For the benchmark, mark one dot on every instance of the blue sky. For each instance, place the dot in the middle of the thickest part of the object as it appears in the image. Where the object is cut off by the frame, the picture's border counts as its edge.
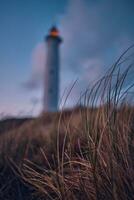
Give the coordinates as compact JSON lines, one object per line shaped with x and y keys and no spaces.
{"x":95,"y":33}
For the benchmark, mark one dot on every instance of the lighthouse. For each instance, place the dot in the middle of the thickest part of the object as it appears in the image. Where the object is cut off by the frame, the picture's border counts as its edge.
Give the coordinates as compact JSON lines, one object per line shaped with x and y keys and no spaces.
{"x":52,"y":68}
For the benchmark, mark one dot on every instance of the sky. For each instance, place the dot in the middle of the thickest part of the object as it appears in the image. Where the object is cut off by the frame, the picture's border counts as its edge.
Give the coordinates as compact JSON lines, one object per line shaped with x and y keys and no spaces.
{"x":94,"y":33}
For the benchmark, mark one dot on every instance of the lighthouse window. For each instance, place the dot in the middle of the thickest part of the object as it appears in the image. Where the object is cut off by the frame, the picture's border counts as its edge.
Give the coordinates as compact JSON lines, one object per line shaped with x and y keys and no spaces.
{"x":50,"y":91}
{"x":51,"y":71}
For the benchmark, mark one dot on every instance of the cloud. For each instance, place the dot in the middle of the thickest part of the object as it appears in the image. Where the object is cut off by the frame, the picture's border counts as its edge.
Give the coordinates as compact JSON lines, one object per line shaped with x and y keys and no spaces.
{"x":90,"y":30}
{"x":38,"y":59}
{"x":94,"y":34}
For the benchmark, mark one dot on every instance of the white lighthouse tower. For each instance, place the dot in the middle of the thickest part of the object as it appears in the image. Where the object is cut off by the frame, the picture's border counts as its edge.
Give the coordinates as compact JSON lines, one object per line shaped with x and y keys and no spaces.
{"x":51,"y":94}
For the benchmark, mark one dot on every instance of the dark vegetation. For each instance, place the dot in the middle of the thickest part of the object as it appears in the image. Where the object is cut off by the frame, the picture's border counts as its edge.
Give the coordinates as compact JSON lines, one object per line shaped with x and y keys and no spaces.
{"x":11,"y":123}
{"x":79,"y":154}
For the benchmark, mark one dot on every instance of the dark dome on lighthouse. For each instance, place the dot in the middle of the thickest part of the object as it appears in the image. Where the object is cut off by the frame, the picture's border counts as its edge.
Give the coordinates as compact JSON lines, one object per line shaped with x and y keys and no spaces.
{"x":54,"y":33}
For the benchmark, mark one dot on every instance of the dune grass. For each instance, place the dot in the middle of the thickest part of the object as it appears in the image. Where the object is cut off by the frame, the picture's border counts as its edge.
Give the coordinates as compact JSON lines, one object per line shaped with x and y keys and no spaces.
{"x":79,"y":154}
